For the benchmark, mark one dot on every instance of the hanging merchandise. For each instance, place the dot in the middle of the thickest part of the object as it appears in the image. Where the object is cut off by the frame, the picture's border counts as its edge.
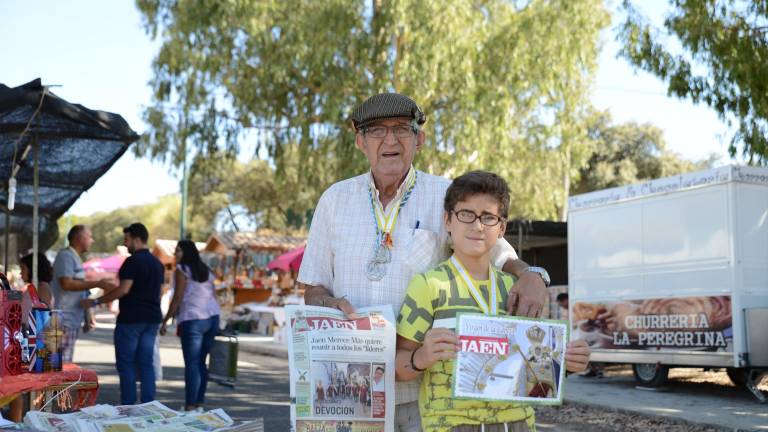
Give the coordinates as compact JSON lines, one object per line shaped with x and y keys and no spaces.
{"x":10,"y":329}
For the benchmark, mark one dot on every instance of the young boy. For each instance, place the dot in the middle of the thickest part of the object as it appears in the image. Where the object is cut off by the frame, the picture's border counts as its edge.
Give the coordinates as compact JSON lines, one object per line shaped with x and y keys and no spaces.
{"x":476,"y":206}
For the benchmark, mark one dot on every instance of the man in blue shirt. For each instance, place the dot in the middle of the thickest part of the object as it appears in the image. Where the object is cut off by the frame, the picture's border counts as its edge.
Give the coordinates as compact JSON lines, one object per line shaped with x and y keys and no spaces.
{"x":141,"y":277}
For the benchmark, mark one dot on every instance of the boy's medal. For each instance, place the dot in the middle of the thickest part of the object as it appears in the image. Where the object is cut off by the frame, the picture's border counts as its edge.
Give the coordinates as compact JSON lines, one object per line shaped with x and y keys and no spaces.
{"x":487,"y":309}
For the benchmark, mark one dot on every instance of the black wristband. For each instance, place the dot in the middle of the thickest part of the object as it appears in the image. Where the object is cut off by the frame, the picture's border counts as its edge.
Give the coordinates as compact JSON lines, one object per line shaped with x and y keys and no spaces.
{"x":413,"y":365}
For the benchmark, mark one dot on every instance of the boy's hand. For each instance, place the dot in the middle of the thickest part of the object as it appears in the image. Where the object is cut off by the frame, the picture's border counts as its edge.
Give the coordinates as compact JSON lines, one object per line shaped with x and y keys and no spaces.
{"x":577,"y":356}
{"x":439,"y":344}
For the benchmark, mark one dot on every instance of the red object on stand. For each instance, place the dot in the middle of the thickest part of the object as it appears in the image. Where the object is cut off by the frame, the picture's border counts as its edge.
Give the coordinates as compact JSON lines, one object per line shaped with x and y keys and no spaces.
{"x":34,"y":382}
{"x":10,"y":332}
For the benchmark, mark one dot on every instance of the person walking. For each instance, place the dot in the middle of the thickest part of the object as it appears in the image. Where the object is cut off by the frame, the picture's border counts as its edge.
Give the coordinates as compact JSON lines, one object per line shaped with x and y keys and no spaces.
{"x":197,"y":312}
{"x":141,"y":277}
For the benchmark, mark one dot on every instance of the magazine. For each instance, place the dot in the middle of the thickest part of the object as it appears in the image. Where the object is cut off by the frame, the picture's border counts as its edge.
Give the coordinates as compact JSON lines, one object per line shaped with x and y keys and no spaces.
{"x":505,"y":358}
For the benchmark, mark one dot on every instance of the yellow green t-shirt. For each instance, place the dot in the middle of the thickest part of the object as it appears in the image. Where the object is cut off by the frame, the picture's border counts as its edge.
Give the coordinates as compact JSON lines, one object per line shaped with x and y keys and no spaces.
{"x":442,"y":293}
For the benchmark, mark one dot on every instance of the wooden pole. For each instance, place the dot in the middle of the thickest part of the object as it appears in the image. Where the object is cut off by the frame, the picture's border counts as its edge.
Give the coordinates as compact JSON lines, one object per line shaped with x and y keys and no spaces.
{"x":35,"y":212}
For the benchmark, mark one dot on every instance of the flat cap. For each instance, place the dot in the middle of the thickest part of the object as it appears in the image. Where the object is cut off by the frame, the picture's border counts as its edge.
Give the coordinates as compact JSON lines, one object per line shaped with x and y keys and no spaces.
{"x":384,"y":106}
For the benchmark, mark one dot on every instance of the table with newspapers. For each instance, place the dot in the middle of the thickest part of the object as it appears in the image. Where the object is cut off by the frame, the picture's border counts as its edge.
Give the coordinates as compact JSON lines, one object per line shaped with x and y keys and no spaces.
{"x":147,"y":417}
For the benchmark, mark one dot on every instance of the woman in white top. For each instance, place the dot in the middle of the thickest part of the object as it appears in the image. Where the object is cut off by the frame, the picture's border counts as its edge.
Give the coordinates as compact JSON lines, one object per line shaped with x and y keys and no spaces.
{"x":197,"y":313}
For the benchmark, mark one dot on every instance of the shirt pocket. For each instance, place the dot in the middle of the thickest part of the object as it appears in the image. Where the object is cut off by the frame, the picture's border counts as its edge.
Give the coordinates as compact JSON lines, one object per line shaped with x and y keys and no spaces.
{"x":423,"y":251}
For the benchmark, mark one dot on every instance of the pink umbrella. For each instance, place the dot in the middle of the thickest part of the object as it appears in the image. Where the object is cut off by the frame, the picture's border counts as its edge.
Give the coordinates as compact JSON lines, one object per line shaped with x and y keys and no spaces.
{"x":110,"y":264}
{"x":288,"y":261}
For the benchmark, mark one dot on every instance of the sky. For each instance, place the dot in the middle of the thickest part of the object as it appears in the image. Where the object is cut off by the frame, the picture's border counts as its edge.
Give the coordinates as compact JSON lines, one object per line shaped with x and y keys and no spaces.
{"x":99,"y":55}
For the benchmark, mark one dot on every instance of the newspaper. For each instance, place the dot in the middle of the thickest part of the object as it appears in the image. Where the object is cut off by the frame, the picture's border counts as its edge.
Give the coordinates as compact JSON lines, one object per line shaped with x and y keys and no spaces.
{"x":342,"y":374}
{"x":147,"y":417}
{"x":510,"y":359}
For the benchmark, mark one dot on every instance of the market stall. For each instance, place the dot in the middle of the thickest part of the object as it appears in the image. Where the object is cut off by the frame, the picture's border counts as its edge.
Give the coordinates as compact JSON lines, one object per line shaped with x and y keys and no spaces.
{"x":239,"y":260}
{"x":51,"y":151}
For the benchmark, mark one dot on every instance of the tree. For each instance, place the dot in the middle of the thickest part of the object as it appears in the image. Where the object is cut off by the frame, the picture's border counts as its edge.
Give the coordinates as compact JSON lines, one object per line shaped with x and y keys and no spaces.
{"x":629,"y":153}
{"x":715,"y":52}
{"x":504,"y":84}
{"x":220,"y":185}
{"x":161,"y":219}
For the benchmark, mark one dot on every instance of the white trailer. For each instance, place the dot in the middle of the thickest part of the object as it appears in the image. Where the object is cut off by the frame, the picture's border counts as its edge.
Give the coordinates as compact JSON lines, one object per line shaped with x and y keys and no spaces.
{"x":674,"y":272}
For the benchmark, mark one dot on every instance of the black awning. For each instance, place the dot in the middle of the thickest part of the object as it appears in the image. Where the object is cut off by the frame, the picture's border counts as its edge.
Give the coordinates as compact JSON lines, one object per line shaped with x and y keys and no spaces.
{"x":76,"y":146}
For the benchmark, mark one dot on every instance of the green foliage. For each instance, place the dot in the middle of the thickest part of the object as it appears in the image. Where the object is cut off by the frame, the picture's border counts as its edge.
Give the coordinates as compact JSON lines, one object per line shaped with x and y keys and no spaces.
{"x":715,"y":52}
{"x":161,"y":219}
{"x":629,"y":153}
{"x":220,"y":184}
{"x":504,"y":88}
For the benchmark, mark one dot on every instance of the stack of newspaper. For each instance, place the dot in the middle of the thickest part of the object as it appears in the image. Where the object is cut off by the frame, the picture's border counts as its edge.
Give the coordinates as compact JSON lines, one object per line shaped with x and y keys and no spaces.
{"x":148,"y":417}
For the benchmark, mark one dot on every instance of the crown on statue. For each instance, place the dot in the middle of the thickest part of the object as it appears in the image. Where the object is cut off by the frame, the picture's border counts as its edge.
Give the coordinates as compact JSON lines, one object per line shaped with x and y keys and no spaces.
{"x":535,"y":334}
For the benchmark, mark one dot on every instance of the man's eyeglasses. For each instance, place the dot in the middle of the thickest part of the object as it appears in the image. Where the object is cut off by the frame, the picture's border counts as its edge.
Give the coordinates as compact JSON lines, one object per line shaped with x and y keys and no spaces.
{"x":469,"y":217}
{"x":399,"y":131}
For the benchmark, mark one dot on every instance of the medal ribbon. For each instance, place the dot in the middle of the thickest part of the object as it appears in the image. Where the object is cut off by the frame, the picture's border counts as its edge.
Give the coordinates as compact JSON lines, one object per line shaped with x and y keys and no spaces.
{"x":475,"y":292}
{"x":385,"y":224}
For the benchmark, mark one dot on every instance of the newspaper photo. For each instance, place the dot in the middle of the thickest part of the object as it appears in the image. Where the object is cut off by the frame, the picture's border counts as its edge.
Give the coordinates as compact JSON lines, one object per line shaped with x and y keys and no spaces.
{"x":510,"y":359}
{"x":342,"y":372}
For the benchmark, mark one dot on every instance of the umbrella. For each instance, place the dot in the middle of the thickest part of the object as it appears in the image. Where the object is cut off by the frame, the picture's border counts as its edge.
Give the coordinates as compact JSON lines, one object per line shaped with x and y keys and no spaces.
{"x":110,"y":264}
{"x":288,"y":261}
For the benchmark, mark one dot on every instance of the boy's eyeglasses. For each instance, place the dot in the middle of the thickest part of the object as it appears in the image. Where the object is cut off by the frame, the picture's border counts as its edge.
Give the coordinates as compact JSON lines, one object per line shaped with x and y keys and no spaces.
{"x":469,"y":217}
{"x":399,"y":131}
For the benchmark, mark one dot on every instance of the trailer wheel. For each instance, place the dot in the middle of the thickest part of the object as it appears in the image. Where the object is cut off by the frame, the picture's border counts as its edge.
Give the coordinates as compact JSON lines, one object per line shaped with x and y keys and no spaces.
{"x":738,"y":376}
{"x":650,"y":374}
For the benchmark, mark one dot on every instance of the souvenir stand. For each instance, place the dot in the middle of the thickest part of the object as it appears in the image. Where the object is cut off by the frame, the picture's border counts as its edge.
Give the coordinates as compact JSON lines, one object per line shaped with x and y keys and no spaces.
{"x":252,"y":300}
{"x":51,"y":151}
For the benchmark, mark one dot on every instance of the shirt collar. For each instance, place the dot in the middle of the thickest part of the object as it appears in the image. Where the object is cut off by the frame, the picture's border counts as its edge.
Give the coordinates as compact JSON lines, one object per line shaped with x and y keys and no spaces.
{"x":400,"y":190}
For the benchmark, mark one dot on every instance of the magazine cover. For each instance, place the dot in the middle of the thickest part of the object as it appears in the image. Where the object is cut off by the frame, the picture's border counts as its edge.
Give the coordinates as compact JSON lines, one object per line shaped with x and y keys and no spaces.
{"x":342,"y":375}
{"x":510,"y":359}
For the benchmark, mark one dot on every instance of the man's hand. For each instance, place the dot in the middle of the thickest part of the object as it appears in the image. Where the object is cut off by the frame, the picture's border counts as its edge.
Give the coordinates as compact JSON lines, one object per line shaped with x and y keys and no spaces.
{"x":439,"y":344}
{"x":86,"y":303}
{"x":526,"y":298}
{"x":320,"y":296}
{"x":106,"y":284}
{"x":577,"y":356}
{"x":163,"y":329}
{"x":341,"y":304}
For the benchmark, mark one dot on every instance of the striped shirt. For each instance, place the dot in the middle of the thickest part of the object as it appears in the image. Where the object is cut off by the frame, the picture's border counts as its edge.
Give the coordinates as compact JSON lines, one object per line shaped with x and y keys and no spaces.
{"x":343,"y":236}
{"x":439,"y":294}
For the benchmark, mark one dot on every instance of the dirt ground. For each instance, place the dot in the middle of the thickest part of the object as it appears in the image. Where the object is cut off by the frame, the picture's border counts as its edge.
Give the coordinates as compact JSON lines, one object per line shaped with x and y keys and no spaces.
{"x":576,"y":416}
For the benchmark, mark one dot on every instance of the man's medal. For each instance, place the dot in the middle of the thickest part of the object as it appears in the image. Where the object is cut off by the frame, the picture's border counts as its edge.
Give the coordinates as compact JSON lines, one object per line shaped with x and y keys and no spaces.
{"x":382,"y":249}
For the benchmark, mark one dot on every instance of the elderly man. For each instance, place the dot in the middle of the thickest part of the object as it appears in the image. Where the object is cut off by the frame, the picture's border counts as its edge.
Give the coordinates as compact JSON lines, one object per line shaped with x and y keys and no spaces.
{"x":370,"y":234}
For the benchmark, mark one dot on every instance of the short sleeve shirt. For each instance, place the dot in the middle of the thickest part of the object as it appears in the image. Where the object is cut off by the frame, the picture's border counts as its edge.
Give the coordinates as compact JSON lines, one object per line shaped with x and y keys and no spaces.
{"x":142,"y":303}
{"x":68,"y":264}
{"x":441,"y":293}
